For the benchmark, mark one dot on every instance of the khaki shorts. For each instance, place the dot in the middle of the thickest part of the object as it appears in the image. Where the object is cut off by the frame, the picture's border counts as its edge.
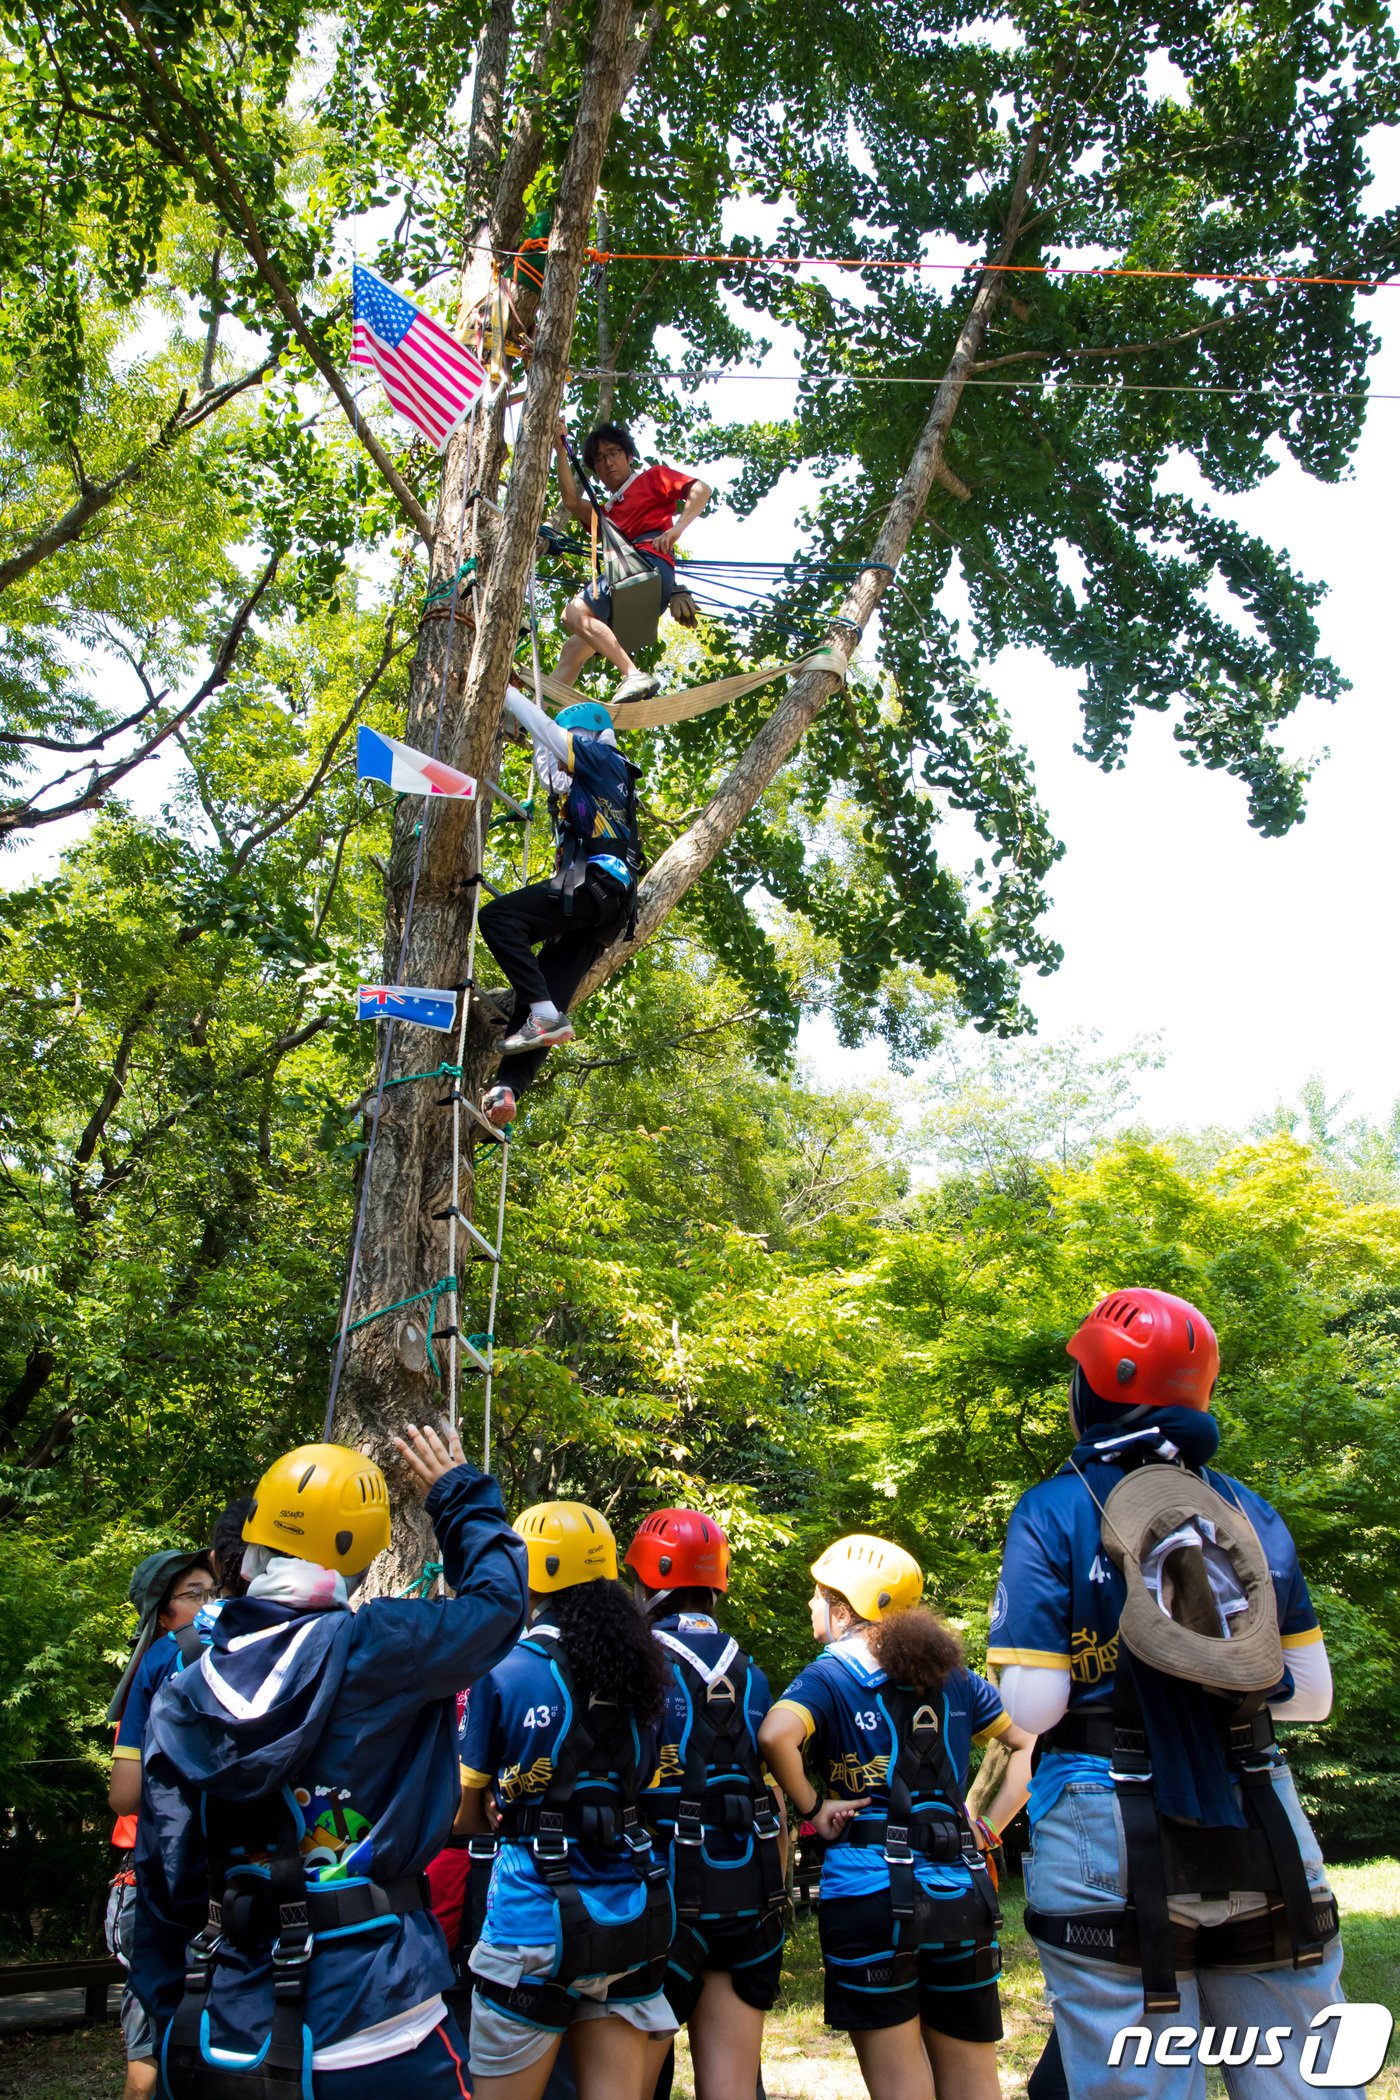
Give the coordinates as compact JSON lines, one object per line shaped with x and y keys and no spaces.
{"x":501,"y":2044}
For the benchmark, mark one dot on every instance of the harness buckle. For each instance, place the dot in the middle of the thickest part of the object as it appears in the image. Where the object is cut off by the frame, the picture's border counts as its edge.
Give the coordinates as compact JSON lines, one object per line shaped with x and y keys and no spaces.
{"x":690,"y":1828}
{"x":550,"y":1846}
{"x":765,"y":1823}
{"x":291,"y":1950}
{"x":1136,"y":1775}
{"x":898,"y":1850}
{"x":201,"y":1952}
{"x":481,"y":1848}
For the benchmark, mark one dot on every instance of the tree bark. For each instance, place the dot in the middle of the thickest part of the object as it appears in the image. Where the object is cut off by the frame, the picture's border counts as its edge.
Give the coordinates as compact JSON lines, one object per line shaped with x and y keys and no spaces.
{"x":386,"y":1379}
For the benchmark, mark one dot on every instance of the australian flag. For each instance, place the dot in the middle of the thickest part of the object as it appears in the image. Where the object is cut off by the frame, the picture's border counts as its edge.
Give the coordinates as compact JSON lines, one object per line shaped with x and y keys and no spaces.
{"x":423,"y":1006}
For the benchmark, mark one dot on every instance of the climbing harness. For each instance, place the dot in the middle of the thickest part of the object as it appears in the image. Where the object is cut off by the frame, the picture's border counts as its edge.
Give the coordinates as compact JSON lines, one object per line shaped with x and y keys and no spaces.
{"x":1166,"y":1857}
{"x":906,"y":1833}
{"x":590,"y":1802}
{"x":266,"y":1910}
{"x":722,"y":1790}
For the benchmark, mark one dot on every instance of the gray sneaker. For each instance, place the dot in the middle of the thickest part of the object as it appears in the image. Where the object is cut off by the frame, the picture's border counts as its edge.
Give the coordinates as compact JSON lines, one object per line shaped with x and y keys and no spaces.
{"x":538,"y":1035}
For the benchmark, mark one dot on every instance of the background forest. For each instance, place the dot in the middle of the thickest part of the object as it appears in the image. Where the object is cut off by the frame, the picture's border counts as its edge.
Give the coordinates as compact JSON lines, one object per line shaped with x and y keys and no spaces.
{"x":804,"y":1308}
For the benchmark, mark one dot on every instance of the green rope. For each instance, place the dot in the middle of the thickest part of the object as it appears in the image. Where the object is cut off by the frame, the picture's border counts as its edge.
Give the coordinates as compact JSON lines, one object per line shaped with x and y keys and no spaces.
{"x":482,"y":1341}
{"x":432,"y":1294}
{"x":441,"y":593}
{"x":422,"y":1585}
{"x":441,"y":1072}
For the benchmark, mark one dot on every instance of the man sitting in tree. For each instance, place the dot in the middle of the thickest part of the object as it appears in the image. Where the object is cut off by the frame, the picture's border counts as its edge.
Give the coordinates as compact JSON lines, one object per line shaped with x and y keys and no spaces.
{"x":641,"y":503}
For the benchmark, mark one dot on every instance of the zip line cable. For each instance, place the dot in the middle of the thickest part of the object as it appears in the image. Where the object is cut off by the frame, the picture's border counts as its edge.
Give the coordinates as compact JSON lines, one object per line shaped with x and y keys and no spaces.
{"x":603,"y":256}
{"x":1047,"y":382}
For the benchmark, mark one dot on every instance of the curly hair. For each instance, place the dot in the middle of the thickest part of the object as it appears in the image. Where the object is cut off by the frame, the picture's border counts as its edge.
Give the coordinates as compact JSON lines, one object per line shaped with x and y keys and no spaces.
{"x":914,"y":1647}
{"x":607,"y":434}
{"x":611,"y":1654}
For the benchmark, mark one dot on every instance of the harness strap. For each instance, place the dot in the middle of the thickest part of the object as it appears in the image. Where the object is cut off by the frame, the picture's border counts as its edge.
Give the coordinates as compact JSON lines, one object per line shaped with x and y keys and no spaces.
{"x":1260,"y":1941}
{"x":535,"y":1999}
{"x":939,"y":1841}
{"x":717,"y":1698}
{"x":591,"y":1946}
{"x":247,"y":1914}
{"x":1263,"y":1804}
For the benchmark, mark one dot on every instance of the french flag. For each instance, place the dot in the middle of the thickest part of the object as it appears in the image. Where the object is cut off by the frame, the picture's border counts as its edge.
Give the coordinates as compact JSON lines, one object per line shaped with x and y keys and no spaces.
{"x":407,"y":771}
{"x":422,"y":1006}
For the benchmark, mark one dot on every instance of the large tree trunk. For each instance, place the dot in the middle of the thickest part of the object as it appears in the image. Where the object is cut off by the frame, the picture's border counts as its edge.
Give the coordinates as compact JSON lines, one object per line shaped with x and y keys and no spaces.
{"x":459,"y":679}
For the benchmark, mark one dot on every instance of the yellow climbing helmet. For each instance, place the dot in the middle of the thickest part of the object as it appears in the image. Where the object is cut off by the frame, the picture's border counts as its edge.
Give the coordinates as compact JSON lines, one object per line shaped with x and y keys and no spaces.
{"x":567,"y":1543}
{"x":322,"y":1502}
{"x":875,"y":1577}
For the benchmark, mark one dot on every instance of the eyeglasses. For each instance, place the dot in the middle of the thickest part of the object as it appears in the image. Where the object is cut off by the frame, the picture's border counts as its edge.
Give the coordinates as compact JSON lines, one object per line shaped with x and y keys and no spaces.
{"x":198,"y":1596}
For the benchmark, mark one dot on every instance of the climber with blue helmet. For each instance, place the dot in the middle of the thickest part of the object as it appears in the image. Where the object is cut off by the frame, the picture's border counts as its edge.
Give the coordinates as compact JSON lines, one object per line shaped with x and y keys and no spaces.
{"x":588,"y":900}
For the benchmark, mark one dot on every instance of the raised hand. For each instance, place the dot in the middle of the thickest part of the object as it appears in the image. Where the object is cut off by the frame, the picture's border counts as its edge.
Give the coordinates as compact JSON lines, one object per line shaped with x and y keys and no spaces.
{"x":427,"y":1456}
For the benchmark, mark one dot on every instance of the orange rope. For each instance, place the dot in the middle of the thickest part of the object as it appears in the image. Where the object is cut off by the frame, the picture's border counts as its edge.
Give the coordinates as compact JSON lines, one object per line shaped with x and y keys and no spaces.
{"x":865,"y":262}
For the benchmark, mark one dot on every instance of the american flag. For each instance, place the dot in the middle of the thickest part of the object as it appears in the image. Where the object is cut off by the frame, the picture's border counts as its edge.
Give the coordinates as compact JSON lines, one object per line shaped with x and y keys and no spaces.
{"x":429,"y":377}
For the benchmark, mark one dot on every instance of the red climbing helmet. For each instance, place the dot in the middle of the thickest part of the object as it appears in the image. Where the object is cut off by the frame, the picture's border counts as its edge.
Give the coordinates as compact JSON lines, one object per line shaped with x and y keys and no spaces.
{"x":678,"y":1549}
{"x":1148,"y":1349}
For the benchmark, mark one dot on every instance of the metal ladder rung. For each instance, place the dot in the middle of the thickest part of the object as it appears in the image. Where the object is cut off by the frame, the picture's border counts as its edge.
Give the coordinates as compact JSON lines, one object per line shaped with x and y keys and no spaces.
{"x":509,"y":800}
{"x":497,"y":1137}
{"x":470,"y":1349}
{"x":479,"y":1239}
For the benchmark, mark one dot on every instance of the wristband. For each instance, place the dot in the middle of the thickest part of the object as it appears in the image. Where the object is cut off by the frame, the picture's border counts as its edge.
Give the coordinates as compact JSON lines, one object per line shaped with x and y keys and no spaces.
{"x":805,"y":1815}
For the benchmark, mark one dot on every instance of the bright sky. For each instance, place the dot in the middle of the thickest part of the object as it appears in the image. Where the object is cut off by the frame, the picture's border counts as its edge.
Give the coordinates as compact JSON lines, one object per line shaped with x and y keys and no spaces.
{"x":1258,"y":961}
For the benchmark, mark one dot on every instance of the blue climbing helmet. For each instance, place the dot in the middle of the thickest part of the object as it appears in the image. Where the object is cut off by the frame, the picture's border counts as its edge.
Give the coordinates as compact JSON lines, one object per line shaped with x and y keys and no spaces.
{"x":587,"y":715}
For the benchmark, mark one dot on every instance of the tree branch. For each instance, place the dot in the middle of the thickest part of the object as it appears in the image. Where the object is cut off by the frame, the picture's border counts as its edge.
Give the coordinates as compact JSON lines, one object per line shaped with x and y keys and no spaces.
{"x":308,"y":793}
{"x":94,"y":496}
{"x":1168,"y":342}
{"x":647,"y":1051}
{"x":23,"y":817}
{"x":267,"y":1060}
{"x":111,"y":1094}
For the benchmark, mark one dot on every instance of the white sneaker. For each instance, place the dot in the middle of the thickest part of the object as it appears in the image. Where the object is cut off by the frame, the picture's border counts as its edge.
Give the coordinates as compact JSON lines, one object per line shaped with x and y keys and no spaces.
{"x":637,"y":685}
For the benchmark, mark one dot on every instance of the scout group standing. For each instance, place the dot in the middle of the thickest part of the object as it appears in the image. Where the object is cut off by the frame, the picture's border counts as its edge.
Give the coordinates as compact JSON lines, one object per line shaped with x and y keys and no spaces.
{"x":618,"y":1772}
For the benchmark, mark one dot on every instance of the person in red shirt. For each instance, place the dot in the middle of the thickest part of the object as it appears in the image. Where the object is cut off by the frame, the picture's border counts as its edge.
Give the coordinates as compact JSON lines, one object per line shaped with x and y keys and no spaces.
{"x":642,"y":504}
